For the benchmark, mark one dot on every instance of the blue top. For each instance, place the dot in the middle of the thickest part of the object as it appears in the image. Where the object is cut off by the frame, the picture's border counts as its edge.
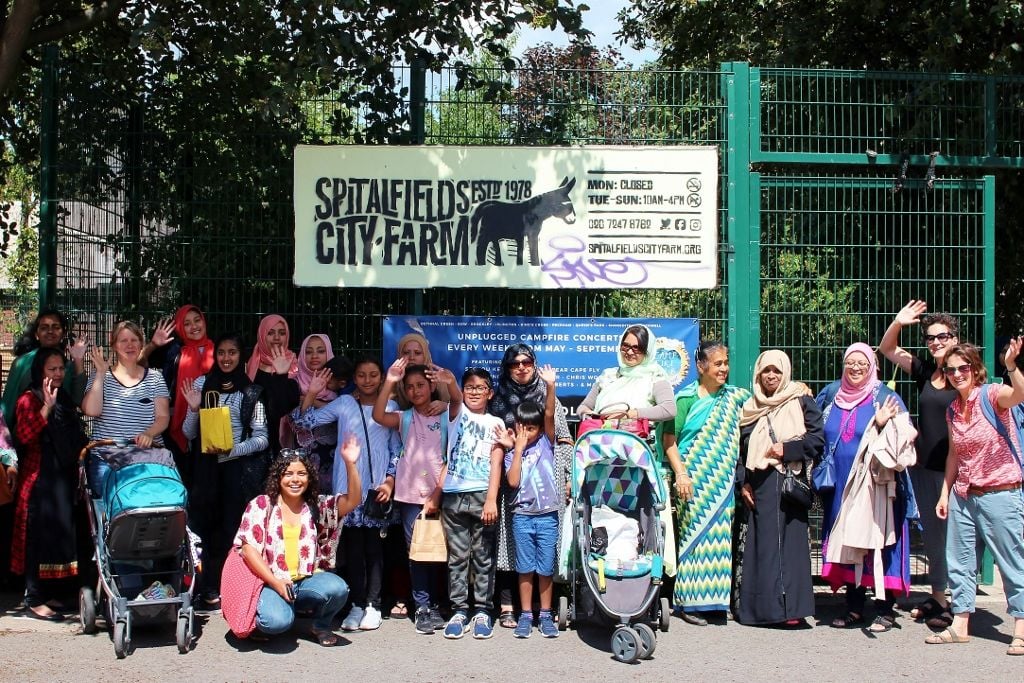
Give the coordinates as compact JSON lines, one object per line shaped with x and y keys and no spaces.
{"x":538,"y":489}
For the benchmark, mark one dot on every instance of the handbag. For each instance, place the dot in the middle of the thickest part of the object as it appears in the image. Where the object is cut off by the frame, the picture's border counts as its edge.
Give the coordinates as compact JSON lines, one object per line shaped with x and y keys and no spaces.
{"x":215,"y":426}
{"x":640,"y":426}
{"x":240,"y":591}
{"x":372,"y":508}
{"x":796,"y":490}
{"x":823,"y":476}
{"x":428,"y":542}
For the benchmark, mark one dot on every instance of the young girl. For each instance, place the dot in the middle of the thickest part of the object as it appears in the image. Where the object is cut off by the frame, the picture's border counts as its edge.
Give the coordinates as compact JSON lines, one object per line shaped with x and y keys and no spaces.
{"x":419,"y":476}
{"x":362,"y":543}
{"x":225,"y":481}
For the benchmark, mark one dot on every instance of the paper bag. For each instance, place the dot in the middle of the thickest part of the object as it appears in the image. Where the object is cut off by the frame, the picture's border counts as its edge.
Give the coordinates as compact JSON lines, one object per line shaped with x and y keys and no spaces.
{"x":215,"y":426}
{"x":428,"y":544}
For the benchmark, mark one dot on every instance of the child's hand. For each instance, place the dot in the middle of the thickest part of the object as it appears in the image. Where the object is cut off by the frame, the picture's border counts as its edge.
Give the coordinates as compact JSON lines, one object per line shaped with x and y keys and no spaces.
{"x":350,"y":449}
{"x":397,"y":370}
{"x":504,"y":437}
{"x":163,"y":333}
{"x":436,"y":408}
{"x":439,"y":375}
{"x":522,"y":438}
{"x":318,"y":382}
{"x":548,"y":375}
{"x":490,"y":513}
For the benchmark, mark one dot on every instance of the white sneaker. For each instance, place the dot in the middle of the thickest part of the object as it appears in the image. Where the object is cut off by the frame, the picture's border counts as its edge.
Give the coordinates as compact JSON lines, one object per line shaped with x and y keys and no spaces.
{"x":352,"y":621}
{"x":371,"y":619}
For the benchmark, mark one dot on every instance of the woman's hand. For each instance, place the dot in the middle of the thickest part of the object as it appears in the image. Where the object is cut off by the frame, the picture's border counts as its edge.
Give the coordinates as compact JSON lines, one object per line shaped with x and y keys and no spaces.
{"x":504,"y":437}
{"x":886,"y":411}
{"x":77,"y":351}
{"x":49,"y":395}
{"x":281,"y":588}
{"x":350,"y":449}
{"x":143,"y":440}
{"x":942,"y":507}
{"x":163,"y":333}
{"x":774,"y":452}
{"x":548,"y":375}
{"x":385,"y":490}
{"x":1012,"y":352}
{"x":911,"y":313}
{"x":279,"y":361}
{"x":747,"y":495}
{"x":99,"y":361}
{"x":192,"y":397}
{"x":318,"y":382}
{"x":583,"y":411}
{"x":684,"y":486}
{"x":397,"y":370}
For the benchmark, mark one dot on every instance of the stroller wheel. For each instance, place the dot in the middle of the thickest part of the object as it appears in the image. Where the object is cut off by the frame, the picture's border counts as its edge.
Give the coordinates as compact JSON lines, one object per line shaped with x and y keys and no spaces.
{"x":664,"y":619}
{"x":563,"y":613}
{"x":120,"y":639}
{"x":648,"y":640}
{"x":183,"y":633}
{"x":87,"y":610}
{"x":626,"y":644}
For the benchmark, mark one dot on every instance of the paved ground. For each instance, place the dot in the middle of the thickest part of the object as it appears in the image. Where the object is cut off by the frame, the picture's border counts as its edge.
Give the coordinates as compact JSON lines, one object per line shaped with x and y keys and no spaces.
{"x":32,"y":650}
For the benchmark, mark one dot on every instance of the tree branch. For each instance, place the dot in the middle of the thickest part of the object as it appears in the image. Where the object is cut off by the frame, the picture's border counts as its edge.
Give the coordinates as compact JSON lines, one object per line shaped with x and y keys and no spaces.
{"x":89,"y":17}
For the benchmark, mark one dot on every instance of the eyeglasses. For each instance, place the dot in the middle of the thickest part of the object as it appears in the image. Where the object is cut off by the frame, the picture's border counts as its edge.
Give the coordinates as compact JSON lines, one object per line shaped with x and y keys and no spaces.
{"x":941,"y":337}
{"x":476,"y":389}
{"x":857,"y":365}
{"x":951,"y":370}
{"x":526,"y":363}
{"x":631,"y":348}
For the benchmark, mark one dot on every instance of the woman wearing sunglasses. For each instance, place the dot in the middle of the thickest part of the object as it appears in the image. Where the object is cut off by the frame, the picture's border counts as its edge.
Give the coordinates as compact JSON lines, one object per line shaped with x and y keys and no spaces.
{"x":941,"y":333}
{"x":981,"y":496}
{"x":519,"y":382}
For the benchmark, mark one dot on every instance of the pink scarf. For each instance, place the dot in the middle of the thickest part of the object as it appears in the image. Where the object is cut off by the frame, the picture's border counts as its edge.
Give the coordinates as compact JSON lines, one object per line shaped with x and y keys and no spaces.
{"x":850,"y":396}
{"x":306,"y":375}
{"x":261,"y":353}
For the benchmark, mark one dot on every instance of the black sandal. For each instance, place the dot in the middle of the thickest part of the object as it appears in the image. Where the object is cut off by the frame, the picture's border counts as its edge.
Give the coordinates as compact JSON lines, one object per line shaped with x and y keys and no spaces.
{"x":943,"y":619}
{"x":883,"y":623}
{"x":848,"y":620}
{"x":325,"y":638}
{"x":507,"y":619}
{"x":926,"y":610}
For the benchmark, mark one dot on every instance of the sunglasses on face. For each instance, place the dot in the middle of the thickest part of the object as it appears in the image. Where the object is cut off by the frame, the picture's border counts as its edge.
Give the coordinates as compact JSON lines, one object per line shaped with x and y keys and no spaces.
{"x":951,"y":370}
{"x":941,"y":337}
{"x":527,"y":363}
{"x":631,"y":348}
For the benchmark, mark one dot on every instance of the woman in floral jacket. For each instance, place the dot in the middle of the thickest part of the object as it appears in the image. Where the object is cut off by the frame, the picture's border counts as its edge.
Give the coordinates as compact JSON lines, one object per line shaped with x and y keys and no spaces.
{"x":288,"y":538}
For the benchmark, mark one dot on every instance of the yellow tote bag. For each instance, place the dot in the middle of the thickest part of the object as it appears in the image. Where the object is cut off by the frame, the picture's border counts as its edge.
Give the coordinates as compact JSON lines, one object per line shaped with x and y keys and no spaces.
{"x":428,"y":544}
{"x":215,"y":426}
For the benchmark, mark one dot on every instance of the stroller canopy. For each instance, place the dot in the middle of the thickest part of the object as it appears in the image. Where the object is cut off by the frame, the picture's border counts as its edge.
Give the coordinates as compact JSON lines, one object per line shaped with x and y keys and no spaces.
{"x":624,"y":459}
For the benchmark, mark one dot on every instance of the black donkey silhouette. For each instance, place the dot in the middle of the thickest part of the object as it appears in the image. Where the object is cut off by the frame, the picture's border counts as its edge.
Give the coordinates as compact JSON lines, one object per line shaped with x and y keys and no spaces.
{"x":495,"y":220}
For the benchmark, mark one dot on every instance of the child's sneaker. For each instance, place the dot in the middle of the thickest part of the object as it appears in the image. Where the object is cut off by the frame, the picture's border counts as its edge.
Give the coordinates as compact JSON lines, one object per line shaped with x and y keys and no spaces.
{"x":525,"y":625}
{"x":547,"y":625}
{"x":457,"y":626}
{"x":371,"y":619}
{"x":424,"y":624}
{"x":482,"y":626}
{"x":436,"y":619}
{"x":351,"y":622}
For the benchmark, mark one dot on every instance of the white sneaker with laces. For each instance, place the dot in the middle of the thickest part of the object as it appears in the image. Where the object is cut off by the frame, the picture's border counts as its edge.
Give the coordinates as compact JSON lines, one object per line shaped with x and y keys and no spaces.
{"x":354,"y":618}
{"x":371,"y":619}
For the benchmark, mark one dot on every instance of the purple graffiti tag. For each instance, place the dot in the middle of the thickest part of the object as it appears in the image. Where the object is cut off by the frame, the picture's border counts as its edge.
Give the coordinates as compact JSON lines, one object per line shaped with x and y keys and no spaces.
{"x":568,"y":268}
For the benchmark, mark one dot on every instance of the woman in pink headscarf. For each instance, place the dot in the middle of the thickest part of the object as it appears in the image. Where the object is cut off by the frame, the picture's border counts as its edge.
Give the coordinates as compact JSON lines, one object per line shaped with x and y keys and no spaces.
{"x":274,"y":367}
{"x":314,"y":355}
{"x":868,"y":446}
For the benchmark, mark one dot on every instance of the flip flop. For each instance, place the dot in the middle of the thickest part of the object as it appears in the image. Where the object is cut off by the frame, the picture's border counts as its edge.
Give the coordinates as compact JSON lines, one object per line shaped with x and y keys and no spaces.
{"x":1016,"y":646}
{"x":399,"y":611}
{"x":883,"y":623}
{"x":848,"y":620}
{"x":325,"y":638}
{"x":948,"y":637}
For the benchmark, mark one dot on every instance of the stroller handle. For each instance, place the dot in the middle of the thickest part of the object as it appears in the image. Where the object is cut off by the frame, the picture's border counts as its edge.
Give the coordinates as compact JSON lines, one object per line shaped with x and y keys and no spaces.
{"x":101,"y":442}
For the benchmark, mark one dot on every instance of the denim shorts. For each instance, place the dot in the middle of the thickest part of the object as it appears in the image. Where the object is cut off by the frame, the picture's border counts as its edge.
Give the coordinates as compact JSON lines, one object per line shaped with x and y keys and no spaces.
{"x":536,"y":538}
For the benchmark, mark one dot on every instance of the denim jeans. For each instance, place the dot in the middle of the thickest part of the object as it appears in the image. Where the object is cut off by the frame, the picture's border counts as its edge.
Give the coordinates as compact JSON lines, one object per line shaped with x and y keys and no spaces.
{"x":422,"y":575}
{"x":997,"y":519}
{"x":320,"y":596}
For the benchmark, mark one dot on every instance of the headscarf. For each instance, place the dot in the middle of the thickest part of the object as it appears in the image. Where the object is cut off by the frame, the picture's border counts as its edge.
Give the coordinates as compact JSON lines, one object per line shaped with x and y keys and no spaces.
{"x":630,"y":385}
{"x":219,"y":382}
{"x":196,"y":359}
{"x":782,"y":410}
{"x":441,"y":391}
{"x":850,"y":396}
{"x":305,"y":375}
{"x":261,"y":353}
{"x":424,"y":344}
{"x":509,"y":393}
{"x":63,"y":428}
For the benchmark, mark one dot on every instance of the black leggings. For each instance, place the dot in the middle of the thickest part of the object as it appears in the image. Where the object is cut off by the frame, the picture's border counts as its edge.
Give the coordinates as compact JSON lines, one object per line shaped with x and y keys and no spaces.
{"x":364,"y":558}
{"x":215,"y":511}
{"x":856,"y":597}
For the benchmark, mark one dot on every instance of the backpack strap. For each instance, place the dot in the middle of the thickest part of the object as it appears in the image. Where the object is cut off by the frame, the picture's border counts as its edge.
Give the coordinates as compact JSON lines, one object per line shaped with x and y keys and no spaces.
{"x":988,"y":410}
{"x":406,"y":425}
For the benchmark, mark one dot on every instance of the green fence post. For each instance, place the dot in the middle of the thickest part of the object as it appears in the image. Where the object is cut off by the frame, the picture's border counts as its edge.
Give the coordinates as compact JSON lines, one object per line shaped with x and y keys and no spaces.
{"x":418,"y":125}
{"x":48,"y":180}
{"x":987,"y":575}
{"x":743,"y":228}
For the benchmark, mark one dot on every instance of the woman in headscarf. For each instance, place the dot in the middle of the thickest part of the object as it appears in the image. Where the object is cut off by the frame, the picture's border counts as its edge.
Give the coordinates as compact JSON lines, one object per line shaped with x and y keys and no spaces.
{"x":320,"y":442}
{"x":703,"y":449}
{"x":416,"y":350}
{"x":274,"y":367}
{"x":519,"y":382}
{"x":51,"y":437}
{"x":869,"y":444}
{"x":780,"y":429}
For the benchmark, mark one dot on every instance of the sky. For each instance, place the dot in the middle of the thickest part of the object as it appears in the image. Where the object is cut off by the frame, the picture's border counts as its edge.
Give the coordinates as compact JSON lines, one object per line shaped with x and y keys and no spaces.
{"x":600,"y":19}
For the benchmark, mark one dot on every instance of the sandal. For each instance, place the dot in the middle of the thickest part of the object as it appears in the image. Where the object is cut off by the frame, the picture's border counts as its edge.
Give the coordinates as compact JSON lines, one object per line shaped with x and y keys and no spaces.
{"x":507,"y":619}
{"x":1016,"y":646}
{"x":883,"y":623}
{"x":947,"y":637}
{"x":399,"y":611}
{"x":258,"y":637}
{"x":848,"y":620}
{"x":926,"y":609}
{"x":943,"y":619}
{"x":325,"y":638}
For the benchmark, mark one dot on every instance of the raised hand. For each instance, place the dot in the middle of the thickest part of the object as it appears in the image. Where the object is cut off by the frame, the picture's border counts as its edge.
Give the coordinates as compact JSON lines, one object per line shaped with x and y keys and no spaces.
{"x":1012,"y":351}
{"x":504,"y":437}
{"x":49,"y":392}
{"x":78,"y":349}
{"x":439,"y":375}
{"x":99,"y":361}
{"x":192,"y":397}
{"x":163,"y":333}
{"x":281,"y":363}
{"x":911,"y":313}
{"x":521,"y":437}
{"x":397,"y":370}
{"x":548,"y":375}
{"x":350,"y":449}
{"x":318,"y":382}
{"x":886,"y":411}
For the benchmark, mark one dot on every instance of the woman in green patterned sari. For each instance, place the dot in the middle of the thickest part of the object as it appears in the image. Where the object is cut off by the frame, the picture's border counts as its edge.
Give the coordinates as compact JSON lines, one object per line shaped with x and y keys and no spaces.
{"x":703,"y":450}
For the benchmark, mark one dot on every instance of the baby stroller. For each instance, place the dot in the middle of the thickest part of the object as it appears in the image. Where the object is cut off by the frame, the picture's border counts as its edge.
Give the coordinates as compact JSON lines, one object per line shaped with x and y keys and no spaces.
{"x":615,"y":567}
{"x":145,"y":560}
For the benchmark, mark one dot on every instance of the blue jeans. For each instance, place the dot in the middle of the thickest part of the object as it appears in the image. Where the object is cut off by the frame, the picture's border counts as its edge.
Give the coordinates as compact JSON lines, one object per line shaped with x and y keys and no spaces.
{"x":997,"y":519}
{"x":422,"y":575}
{"x":536,"y":538}
{"x":321,"y":596}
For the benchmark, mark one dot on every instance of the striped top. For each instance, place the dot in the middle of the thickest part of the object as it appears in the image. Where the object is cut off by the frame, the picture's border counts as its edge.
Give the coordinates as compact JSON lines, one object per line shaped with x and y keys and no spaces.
{"x":258,"y":439}
{"x":128,"y":410}
{"x":983,"y":457}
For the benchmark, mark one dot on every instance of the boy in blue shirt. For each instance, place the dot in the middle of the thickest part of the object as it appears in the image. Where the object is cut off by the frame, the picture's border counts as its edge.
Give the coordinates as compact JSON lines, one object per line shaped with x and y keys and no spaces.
{"x":530,"y":467}
{"x":469,"y":505}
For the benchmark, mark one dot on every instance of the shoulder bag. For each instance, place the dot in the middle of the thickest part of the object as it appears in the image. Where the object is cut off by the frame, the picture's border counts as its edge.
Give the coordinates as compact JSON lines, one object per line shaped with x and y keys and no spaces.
{"x":373,"y":508}
{"x":240,"y":590}
{"x":795,"y":488}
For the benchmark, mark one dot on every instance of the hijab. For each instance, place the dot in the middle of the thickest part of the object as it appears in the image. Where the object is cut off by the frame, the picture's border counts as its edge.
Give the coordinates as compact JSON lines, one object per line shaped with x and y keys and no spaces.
{"x":631,"y":385}
{"x":261,"y":354}
{"x":63,"y":428}
{"x":219,"y":382}
{"x":305,"y":375}
{"x":440,"y":391}
{"x":196,"y":359}
{"x":780,"y":414}
{"x":509,"y":393}
{"x":850,"y":396}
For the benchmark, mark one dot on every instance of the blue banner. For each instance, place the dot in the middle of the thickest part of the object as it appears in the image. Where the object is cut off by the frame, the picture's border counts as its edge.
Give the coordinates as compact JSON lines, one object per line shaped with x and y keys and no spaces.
{"x":580,"y":349}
